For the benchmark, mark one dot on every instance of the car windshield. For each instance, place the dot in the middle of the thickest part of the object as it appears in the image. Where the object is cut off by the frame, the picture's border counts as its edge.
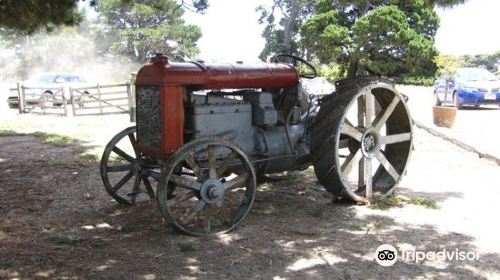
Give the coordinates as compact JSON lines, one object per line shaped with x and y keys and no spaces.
{"x":43,"y":79}
{"x":475,"y":74}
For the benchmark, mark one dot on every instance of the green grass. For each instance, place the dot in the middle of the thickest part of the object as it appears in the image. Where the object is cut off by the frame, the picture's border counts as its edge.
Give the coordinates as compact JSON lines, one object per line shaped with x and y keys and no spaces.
{"x":51,"y":138}
{"x":64,"y":239}
{"x":401,"y":200}
{"x":57,"y":140}
{"x":425,"y":202}
{"x":186,"y":247}
{"x":82,"y":155}
{"x":8,"y":133}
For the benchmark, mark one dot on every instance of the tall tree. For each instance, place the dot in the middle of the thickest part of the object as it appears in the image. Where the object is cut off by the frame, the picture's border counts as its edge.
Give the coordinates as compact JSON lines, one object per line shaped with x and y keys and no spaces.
{"x":489,"y":61}
{"x":28,"y":16}
{"x":282,"y":35}
{"x":143,"y":27}
{"x":388,"y":37}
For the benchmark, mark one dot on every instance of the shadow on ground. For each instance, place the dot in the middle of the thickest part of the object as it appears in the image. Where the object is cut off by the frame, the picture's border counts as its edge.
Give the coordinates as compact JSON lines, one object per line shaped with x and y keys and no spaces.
{"x":58,"y":223}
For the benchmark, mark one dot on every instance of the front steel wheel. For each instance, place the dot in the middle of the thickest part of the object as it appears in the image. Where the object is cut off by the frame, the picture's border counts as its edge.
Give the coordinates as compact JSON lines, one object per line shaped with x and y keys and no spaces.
{"x":362,"y":139}
{"x":207,"y":187}
{"x":124,"y":167}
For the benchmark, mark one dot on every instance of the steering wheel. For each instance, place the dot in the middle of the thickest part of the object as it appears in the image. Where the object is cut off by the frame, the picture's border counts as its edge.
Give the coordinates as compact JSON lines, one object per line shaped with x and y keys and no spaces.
{"x":276,"y":59}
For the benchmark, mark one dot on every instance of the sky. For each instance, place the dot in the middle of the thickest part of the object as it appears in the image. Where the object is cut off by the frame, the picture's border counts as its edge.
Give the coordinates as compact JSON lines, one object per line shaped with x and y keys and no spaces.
{"x":231,"y":31}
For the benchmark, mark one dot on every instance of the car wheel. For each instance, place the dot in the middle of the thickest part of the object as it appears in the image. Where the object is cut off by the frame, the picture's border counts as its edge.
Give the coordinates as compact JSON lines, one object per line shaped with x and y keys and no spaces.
{"x":437,"y":102}
{"x":457,"y":103}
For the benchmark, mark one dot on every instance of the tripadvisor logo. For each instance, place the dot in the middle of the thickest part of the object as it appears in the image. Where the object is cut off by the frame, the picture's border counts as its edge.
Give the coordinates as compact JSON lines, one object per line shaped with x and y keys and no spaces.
{"x":387,"y":255}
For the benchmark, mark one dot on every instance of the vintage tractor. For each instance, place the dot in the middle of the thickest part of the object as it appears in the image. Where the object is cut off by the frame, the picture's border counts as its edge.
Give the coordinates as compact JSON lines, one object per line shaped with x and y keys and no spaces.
{"x":207,"y":132}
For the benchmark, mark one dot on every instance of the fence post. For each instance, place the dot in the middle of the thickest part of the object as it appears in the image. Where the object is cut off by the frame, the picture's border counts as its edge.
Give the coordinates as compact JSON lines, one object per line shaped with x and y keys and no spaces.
{"x":64,"y":102}
{"x":72,"y":99}
{"x":20,"y":98}
{"x":132,"y":99}
{"x":99,"y":96}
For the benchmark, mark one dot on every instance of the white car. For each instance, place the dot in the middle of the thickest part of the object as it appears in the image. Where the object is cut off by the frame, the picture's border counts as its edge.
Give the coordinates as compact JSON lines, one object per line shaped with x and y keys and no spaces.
{"x":48,"y":85}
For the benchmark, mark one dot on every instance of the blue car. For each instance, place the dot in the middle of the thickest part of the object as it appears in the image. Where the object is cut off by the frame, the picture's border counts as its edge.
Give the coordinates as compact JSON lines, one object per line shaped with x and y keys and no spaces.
{"x":468,"y":87}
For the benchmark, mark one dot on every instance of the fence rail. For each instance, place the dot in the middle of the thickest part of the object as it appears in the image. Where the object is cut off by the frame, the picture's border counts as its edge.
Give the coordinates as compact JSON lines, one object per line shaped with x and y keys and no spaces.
{"x":100,"y":99}
{"x":90,"y":100}
{"x":44,"y":100}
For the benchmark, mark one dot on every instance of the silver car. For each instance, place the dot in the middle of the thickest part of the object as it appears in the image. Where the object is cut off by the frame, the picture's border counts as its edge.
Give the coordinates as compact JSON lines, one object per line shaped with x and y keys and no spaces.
{"x":48,"y":84}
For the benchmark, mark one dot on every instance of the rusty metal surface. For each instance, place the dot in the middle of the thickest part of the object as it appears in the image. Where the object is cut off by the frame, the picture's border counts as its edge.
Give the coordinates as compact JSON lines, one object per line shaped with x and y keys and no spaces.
{"x":216,"y":75}
{"x":149,"y":121}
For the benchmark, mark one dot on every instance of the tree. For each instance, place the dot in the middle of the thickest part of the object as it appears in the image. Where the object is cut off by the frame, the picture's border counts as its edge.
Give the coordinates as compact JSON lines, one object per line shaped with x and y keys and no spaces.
{"x":28,"y":16}
{"x":282,"y":37}
{"x":489,"y":61}
{"x":387,"y":37}
{"x":64,"y":49}
{"x":143,"y":27}
{"x":448,"y":65}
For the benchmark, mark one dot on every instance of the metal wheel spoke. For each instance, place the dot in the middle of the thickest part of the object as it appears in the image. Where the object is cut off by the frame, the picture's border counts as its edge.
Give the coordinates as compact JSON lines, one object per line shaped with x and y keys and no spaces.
{"x":194,"y":166}
{"x":123,"y":154}
{"x":185,"y":182}
{"x":387,"y":165}
{"x":361,"y":110}
{"x":381,"y":119}
{"x":123,"y":180}
{"x":236,"y":182}
{"x":367,"y":166}
{"x":225,"y":164}
{"x":395,"y":138}
{"x":211,"y":157}
{"x":131,"y":137}
{"x":369,"y":108}
{"x":350,"y":160}
{"x":118,"y":168}
{"x":137,"y":184}
{"x":351,"y":131}
{"x":197,"y":208}
{"x":148,"y":186}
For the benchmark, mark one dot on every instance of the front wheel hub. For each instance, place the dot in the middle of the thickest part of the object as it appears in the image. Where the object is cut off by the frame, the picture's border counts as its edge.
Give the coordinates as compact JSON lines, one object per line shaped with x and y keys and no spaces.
{"x":212,"y":191}
{"x":370,"y":143}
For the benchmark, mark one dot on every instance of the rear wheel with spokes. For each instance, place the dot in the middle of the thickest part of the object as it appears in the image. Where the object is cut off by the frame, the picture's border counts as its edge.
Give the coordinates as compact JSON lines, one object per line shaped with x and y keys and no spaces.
{"x":207,"y":187}
{"x":124,"y":168}
{"x":362,"y":139}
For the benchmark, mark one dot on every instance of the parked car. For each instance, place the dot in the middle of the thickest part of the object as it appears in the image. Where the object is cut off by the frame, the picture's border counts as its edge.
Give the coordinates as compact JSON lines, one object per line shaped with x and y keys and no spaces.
{"x":468,"y":87}
{"x":49,"y":83}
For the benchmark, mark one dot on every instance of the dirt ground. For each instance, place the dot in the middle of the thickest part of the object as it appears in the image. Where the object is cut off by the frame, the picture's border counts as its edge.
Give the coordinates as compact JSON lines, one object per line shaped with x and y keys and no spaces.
{"x":57,"y":222}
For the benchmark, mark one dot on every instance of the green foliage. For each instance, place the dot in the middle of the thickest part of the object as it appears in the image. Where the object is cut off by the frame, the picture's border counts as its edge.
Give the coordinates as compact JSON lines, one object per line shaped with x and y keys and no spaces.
{"x":417,"y":81}
{"x":80,"y":49}
{"x":447,"y":64}
{"x":27,"y":16}
{"x":143,"y":27}
{"x":386,"y":37}
{"x":282,"y":35}
{"x":332,"y":72}
{"x":489,"y":61}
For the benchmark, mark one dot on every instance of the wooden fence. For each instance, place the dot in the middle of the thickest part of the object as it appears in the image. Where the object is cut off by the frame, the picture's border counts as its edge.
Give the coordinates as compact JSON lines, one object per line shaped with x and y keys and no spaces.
{"x":44,"y":100}
{"x":90,"y":100}
{"x":101,"y":99}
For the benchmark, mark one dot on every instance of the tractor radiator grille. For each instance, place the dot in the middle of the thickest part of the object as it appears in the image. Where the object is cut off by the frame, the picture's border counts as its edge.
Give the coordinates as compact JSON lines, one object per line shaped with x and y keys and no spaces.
{"x":149,"y":116}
